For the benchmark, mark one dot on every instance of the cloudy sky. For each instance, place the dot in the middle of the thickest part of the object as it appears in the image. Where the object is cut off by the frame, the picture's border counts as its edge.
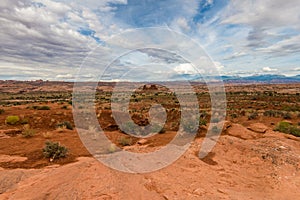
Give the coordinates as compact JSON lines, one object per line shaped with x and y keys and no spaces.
{"x":49,"y":39}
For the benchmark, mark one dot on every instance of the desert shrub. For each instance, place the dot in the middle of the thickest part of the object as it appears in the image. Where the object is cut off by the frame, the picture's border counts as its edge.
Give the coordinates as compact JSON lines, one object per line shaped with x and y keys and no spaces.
{"x":286,"y":127}
{"x":2,"y":111}
{"x":215,"y":120}
{"x":65,"y":124}
{"x":64,"y":107}
{"x":41,"y":107}
{"x":156,"y":128}
{"x":215,"y":129}
{"x":27,"y":132}
{"x":243,"y":113}
{"x":233,"y":115}
{"x":24,"y":121}
{"x":12,"y":120}
{"x":124,"y":141}
{"x":202,"y":122}
{"x":270,"y":113}
{"x":189,"y":126}
{"x":287,"y":116}
{"x":291,"y":108}
{"x":112,"y":148}
{"x":203,"y":114}
{"x":128,"y":127}
{"x":253,"y":115}
{"x":47,"y":135}
{"x":54,"y":150}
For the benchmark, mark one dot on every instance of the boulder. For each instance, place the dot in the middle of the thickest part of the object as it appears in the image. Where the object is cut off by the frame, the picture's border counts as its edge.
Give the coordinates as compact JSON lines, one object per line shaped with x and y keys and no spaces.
{"x":258,"y":128}
{"x":242,"y":132}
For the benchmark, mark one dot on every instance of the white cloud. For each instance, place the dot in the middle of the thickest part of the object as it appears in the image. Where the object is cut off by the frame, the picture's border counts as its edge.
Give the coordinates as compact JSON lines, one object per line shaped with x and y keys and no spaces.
{"x":296,"y":69}
{"x":64,"y":76}
{"x":182,"y":23}
{"x":268,"y":69}
{"x":185,"y":68}
{"x":219,"y":66}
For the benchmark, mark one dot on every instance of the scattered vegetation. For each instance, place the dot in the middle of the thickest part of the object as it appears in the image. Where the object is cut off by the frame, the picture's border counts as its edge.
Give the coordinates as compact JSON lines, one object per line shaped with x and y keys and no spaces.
{"x":24,"y":121}
{"x":54,"y":150}
{"x":12,"y":120}
{"x":287,"y":116}
{"x":112,"y":148}
{"x":125,"y":141}
{"x":47,"y":135}
{"x":2,"y":111}
{"x":41,"y":107}
{"x":252,"y":116}
{"x":128,"y":127}
{"x":27,"y":132}
{"x":65,"y":125}
{"x":202,"y":122}
{"x":64,"y":107}
{"x":233,"y":116}
{"x":189,"y":126}
{"x":286,"y":127}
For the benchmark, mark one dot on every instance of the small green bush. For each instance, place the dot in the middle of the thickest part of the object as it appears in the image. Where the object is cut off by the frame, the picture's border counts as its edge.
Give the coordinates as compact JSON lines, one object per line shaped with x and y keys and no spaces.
{"x":287,"y":116}
{"x":156,"y":128}
{"x":54,"y":150}
{"x":253,"y":115}
{"x":65,"y":124}
{"x":28,"y":132}
{"x":12,"y":120}
{"x":124,"y":141}
{"x":202,"y":122}
{"x":2,"y":111}
{"x":286,"y":127}
{"x":41,"y":107}
{"x":270,"y":113}
{"x":24,"y":121}
{"x":234,"y":115}
{"x":64,"y":107}
{"x":128,"y":127}
{"x":215,"y":129}
{"x":189,"y":126}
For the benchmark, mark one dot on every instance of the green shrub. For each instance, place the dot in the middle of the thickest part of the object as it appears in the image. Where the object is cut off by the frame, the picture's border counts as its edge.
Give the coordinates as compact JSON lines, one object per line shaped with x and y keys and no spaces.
{"x":215,"y":129}
{"x":24,"y":121}
{"x":156,"y":128}
{"x":286,"y":127}
{"x":253,"y":115}
{"x":64,"y":107}
{"x":41,"y":107}
{"x":270,"y":113}
{"x":215,"y":120}
{"x":124,"y":141}
{"x":28,"y":132}
{"x":54,"y":150}
{"x":287,"y":116}
{"x":65,"y":124}
{"x":202,"y":122}
{"x":128,"y":127}
{"x":233,"y":115}
{"x":2,"y":111}
{"x":189,"y":126}
{"x":12,"y":120}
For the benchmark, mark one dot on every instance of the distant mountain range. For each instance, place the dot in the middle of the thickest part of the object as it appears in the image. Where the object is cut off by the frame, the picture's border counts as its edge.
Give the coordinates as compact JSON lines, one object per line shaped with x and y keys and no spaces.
{"x":266,"y":78}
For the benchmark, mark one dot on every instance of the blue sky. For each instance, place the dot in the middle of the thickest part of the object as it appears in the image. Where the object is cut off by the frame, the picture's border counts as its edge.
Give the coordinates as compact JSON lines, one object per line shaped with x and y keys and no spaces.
{"x":49,"y":39}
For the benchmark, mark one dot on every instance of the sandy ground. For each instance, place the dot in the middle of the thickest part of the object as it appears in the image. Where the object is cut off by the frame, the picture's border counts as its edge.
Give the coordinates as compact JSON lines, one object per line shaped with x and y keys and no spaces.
{"x":264,"y":167}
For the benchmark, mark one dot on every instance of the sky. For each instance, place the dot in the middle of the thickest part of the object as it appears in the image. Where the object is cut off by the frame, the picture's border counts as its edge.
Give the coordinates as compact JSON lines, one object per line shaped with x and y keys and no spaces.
{"x":50,"y":39}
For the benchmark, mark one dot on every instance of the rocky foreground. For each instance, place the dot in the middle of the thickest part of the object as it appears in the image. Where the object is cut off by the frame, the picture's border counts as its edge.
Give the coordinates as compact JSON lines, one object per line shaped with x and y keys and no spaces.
{"x":247,"y":163}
